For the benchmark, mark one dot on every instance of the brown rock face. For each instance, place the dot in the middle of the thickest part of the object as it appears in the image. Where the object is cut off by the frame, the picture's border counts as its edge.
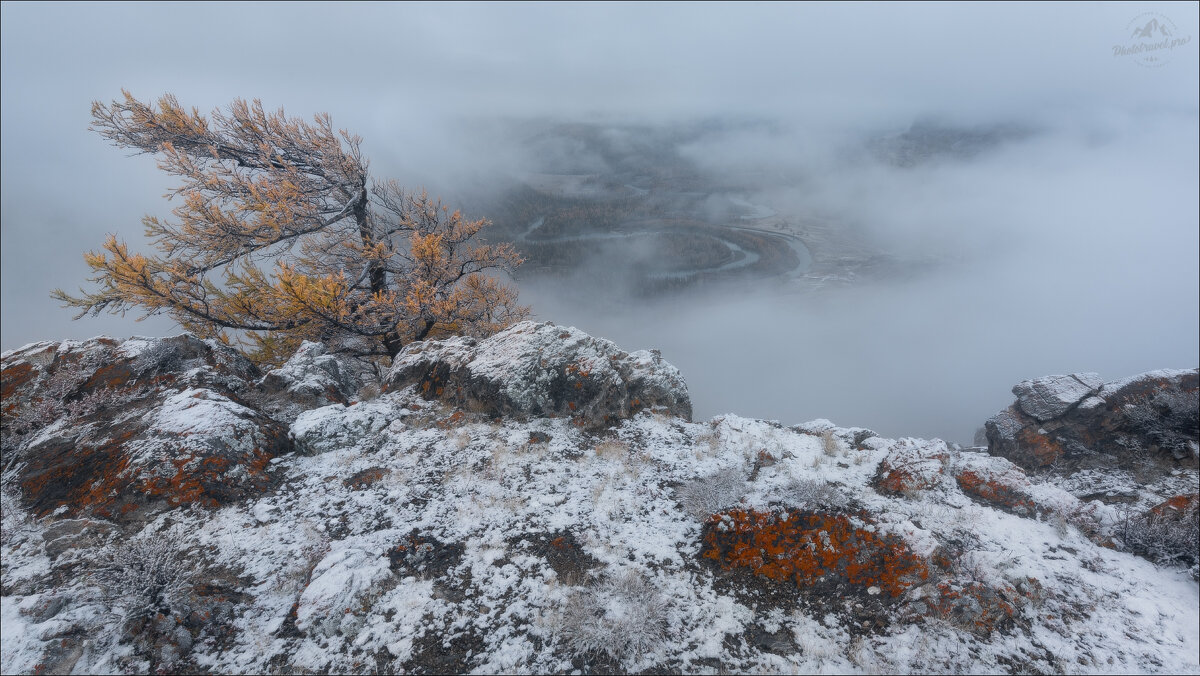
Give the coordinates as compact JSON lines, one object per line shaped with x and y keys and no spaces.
{"x":107,"y":428}
{"x":1146,"y":424}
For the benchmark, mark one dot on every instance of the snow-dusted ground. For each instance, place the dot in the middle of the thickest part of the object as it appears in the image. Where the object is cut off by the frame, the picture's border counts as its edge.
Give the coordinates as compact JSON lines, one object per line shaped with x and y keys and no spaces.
{"x":506,"y":535}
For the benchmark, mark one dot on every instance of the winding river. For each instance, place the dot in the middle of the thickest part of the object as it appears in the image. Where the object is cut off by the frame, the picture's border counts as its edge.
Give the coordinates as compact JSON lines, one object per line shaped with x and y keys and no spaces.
{"x":741,"y":259}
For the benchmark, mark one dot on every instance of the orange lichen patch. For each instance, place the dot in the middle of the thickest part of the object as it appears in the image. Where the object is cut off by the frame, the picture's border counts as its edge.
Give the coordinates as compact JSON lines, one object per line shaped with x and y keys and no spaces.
{"x":205,"y":480}
{"x":454,"y":420}
{"x":892,"y":480}
{"x":432,"y":385}
{"x":77,"y":477}
{"x":995,"y":491}
{"x":808,"y":548}
{"x":1177,"y":507}
{"x":1042,"y":448}
{"x":186,"y":486}
{"x":764,"y":458}
{"x":13,"y":377}
{"x":908,"y":469}
{"x":258,"y":464}
{"x":941,"y":559}
{"x":578,"y":370}
{"x":117,"y":375}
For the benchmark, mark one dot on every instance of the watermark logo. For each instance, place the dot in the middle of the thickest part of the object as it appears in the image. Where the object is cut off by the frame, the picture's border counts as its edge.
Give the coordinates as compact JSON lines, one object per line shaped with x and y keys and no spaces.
{"x":1150,"y":40}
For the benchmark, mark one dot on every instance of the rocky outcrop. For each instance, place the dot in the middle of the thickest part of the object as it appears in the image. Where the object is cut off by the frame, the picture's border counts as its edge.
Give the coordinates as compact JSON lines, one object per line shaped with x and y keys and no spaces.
{"x":1146,"y":424}
{"x":72,"y":370}
{"x":310,"y":379}
{"x":1050,"y":397}
{"x":108,"y":428}
{"x":913,"y":466}
{"x":411,"y":536}
{"x":546,"y":370}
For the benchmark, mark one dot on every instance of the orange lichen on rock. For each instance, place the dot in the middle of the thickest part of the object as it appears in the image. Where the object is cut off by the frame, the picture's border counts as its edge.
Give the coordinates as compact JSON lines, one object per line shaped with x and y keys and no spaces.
{"x":996,"y":491}
{"x":809,"y":548}
{"x":185,"y":486}
{"x":1042,"y":448}
{"x":1176,"y":507}
{"x":11,"y":378}
{"x":205,"y":481}
{"x":893,"y":480}
{"x":80,"y":477}
{"x":577,"y":370}
{"x":910,"y":467}
{"x":453,"y":420}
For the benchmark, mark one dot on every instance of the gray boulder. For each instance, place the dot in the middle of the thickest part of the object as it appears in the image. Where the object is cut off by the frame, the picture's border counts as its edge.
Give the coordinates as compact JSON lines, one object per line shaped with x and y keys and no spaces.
{"x":1147,"y":424}
{"x":1049,"y":397}
{"x":310,"y":379}
{"x":541,"y":369}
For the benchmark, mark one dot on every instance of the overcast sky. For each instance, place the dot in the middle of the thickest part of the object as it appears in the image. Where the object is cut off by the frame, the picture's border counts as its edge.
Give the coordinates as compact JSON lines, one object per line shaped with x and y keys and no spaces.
{"x":423,"y":83}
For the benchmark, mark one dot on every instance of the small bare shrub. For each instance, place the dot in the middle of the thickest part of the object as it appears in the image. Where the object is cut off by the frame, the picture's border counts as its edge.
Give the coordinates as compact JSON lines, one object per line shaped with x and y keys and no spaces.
{"x":1061,"y":524}
{"x":67,"y":378}
{"x":26,"y":421}
{"x":1163,"y":537}
{"x":816,"y":495}
{"x":146,"y":577}
{"x":21,"y":423}
{"x":708,"y":443}
{"x":1168,"y":418}
{"x":831,"y":444}
{"x":106,"y":398}
{"x":706,"y":496}
{"x":622,"y":618}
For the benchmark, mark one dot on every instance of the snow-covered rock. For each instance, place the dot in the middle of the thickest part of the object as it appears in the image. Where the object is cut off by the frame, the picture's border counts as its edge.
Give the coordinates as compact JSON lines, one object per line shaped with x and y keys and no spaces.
{"x":542,"y":370}
{"x":1147,"y":425}
{"x":195,"y":446}
{"x":1051,"y":396}
{"x":340,"y":584}
{"x":332,"y":427}
{"x":107,"y":428}
{"x":71,"y":370}
{"x":418,"y":536}
{"x":309,"y":379}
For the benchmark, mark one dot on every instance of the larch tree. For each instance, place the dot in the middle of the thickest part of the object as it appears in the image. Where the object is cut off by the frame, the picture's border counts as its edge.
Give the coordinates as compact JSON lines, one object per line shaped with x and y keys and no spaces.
{"x":280,"y":236}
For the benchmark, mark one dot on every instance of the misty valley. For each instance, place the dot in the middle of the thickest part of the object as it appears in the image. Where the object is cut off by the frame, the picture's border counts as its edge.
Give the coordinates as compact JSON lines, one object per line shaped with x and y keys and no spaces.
{"x":766,"y":259}
{"x":621,"y":214}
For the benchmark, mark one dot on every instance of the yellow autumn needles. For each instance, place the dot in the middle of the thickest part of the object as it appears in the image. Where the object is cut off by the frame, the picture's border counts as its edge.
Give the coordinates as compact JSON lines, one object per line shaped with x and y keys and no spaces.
{"x":279,"y":235}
